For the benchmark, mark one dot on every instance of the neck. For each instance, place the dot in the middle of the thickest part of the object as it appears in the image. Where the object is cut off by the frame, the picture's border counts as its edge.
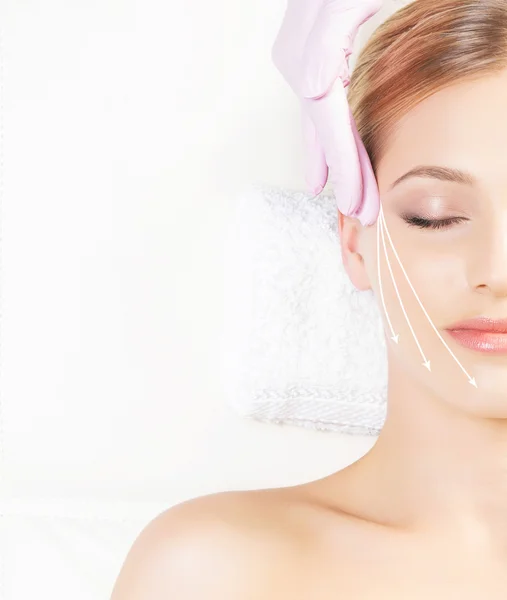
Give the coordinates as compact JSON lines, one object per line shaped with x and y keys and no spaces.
{"x":437,"y":468}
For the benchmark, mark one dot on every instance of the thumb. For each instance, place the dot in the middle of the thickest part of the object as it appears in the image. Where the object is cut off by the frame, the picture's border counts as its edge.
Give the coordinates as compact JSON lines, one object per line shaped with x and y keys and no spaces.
{"x":316,"y":169}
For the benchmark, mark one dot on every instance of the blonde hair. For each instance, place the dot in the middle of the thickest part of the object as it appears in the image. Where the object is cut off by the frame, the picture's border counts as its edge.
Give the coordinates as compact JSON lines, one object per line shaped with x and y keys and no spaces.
{"x":422,"y":48}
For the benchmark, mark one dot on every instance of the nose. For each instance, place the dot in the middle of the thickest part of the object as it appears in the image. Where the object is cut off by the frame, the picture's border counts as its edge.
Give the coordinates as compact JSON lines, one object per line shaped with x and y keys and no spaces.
{"x":490,"y":266}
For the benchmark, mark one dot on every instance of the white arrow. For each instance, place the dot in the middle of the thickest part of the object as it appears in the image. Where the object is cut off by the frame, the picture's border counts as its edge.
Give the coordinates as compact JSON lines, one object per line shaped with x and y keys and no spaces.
{"x":471,"y":380}
{"x":426,"y":362}
{"x":394,"y":336}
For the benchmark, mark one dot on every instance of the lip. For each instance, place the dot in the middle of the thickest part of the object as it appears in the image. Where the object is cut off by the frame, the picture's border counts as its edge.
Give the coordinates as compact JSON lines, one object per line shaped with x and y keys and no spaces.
{"x":482,"y":324}
{"x":481,"y":334}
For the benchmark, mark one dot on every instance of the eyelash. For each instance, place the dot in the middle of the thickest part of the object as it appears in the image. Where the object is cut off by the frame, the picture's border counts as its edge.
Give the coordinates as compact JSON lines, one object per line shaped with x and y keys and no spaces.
{"x":430,"y":224}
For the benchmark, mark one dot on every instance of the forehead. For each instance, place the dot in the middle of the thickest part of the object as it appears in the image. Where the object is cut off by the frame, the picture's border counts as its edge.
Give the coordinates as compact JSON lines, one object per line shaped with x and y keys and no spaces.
{"x":463,"y":126}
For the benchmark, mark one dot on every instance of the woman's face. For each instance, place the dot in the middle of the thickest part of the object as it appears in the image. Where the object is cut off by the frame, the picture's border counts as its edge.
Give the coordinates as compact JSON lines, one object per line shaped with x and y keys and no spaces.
{"x":458,"y":271}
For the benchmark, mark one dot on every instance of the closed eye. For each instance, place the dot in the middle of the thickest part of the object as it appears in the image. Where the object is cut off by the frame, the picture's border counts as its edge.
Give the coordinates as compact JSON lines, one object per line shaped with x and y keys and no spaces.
{"x":432,"y":224}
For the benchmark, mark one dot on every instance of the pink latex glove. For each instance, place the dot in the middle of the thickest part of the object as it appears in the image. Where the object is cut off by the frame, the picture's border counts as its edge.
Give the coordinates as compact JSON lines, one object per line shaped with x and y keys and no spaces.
{"x":311,"y":51}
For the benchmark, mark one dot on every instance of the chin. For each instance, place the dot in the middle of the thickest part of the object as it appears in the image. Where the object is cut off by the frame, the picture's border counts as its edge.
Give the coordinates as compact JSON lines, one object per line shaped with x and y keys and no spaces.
{"x":489,"y":398}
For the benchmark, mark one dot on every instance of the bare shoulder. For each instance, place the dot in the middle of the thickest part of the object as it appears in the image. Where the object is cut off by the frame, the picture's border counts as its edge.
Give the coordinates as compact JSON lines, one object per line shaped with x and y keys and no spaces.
{"x":222,"y":545}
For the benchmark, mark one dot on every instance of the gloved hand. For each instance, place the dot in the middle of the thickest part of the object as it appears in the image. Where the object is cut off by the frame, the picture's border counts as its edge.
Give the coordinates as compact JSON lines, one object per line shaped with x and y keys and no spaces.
{"x":311,"y":51}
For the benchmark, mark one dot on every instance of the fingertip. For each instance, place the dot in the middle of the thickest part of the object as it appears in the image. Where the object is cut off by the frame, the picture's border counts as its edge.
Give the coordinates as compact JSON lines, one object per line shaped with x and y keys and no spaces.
{"x":316,"y":169}
{"x":315,"y":188}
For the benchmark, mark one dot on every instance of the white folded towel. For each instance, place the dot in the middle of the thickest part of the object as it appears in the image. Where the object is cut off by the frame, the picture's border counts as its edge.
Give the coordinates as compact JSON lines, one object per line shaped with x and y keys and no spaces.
{"x":301,"y":345}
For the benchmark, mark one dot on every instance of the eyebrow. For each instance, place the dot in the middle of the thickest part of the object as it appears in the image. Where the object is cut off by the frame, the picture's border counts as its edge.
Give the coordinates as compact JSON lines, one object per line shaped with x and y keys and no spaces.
{"x":436,"y":172}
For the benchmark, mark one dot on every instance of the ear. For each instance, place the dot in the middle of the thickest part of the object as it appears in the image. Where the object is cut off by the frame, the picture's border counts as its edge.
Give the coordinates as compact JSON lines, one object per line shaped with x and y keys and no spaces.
{"x":350,"y":230}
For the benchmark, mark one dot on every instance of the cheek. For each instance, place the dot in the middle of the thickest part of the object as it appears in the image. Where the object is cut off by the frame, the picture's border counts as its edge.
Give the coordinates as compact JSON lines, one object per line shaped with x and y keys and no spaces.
{"x":428,"y":270}
{"x":430,"y":280}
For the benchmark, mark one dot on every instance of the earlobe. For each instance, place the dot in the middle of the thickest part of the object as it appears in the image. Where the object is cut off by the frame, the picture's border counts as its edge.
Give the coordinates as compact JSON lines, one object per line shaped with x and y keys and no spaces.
{"x":349,"y":230}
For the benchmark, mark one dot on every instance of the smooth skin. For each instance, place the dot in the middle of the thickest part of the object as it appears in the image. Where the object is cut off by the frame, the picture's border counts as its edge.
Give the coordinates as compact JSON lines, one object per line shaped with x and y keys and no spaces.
{"x":424,"y":513}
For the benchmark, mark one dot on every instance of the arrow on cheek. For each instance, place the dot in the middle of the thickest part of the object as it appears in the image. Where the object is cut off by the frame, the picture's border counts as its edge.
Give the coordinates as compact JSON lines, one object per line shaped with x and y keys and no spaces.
{"x":380,"y":225}
{"x":426,"y":362}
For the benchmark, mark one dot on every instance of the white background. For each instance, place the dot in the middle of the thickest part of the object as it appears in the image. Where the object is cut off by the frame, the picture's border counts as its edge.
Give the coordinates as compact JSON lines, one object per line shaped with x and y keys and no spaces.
{"x":127,"y":130}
